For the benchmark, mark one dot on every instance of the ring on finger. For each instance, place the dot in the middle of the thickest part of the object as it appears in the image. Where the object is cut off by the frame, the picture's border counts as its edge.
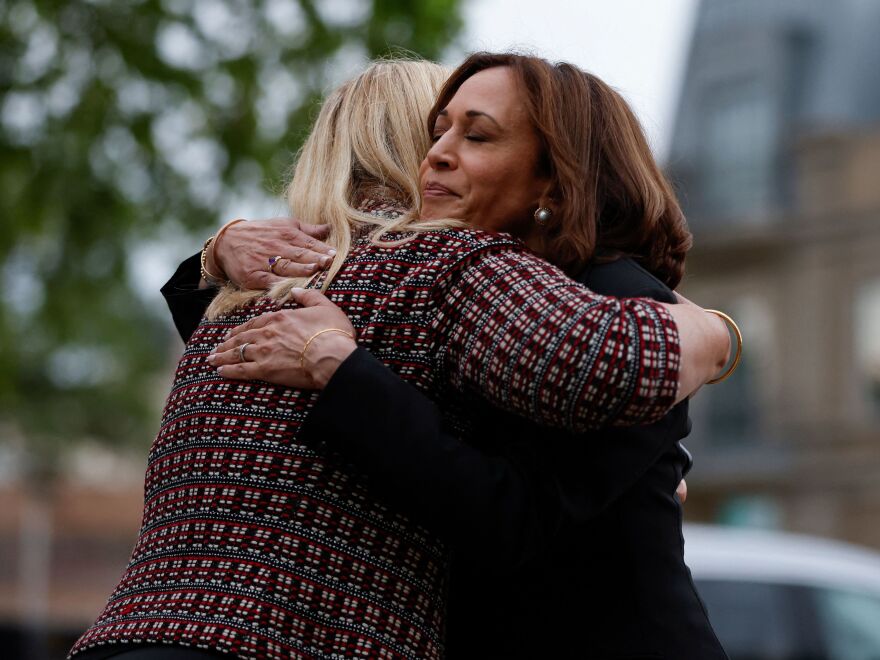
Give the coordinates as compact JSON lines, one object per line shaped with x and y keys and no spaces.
{"x":273,"y":261}
{"x":241,"y":356}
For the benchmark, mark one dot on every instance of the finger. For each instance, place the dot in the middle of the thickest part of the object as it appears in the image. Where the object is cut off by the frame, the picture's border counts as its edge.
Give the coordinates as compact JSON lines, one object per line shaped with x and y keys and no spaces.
{"x":242,"y":371}
{"x":288,"y":268}
{"x":309,"y":297}
{"x":304,"y":239}
{"x":228,"y":356}
{"x":303,"y":255}
{"x":315,"y":231}
{"x":260,"y":321}
{"x":682,"y":491}
{"x":310,"y":243}
{"x":261,"y":279}
{"x":232,"y":343}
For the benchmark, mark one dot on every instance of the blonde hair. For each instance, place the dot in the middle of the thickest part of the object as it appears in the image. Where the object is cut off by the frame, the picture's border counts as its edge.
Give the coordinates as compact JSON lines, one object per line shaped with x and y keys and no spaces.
{"x":368,"y":140}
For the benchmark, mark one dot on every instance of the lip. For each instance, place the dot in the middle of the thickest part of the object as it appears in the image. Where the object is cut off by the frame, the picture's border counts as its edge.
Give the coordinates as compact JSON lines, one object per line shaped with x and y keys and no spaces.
{"x":436,"y":190}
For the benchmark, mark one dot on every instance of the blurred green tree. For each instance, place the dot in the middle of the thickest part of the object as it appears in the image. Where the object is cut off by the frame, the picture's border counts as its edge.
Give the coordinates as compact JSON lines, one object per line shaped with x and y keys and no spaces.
{"x":133,"y":123}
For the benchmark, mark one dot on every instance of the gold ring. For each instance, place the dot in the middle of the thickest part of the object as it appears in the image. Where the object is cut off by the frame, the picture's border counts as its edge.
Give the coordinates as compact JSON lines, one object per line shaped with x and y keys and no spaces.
{"x":273,"y":261}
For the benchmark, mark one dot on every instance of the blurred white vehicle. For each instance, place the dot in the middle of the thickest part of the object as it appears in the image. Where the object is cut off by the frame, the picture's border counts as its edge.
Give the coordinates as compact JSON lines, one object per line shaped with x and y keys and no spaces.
{"x":775,"y":596}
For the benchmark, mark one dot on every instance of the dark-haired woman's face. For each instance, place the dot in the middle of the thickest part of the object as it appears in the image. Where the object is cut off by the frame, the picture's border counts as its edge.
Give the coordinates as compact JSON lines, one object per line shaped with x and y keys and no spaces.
{"x":483,"y":165}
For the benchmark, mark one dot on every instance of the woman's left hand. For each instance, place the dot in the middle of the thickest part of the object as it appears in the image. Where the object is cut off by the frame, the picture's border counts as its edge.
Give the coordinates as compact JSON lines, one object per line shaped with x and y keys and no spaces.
{"x":242,"y":253}
{"x":273,"y":344}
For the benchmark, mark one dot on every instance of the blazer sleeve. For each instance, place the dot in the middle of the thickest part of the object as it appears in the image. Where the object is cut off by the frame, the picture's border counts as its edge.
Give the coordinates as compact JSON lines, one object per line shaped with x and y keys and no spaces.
{"x":185,"y":299}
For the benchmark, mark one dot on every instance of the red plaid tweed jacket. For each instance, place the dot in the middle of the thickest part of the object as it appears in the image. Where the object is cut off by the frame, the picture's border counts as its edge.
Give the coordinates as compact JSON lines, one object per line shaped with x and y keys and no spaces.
{"x":259,"y":546}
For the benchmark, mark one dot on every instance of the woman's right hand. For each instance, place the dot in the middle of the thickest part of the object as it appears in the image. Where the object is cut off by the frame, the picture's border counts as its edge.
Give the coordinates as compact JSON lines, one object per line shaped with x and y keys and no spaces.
{"x":299,"y":347}
{"x":243,"y":251}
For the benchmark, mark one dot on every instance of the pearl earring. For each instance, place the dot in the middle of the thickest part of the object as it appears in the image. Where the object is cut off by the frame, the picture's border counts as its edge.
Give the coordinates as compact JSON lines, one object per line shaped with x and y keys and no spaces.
{"x":542,"y":215}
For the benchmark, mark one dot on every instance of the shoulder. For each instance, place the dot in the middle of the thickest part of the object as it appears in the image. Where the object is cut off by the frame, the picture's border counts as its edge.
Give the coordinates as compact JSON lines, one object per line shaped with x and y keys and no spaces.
{"x":482,"y":257}
{"x":451,"y":250}
{"x":625,"y":278}
{"x":460,"y":243}
{"x":471,"y":262}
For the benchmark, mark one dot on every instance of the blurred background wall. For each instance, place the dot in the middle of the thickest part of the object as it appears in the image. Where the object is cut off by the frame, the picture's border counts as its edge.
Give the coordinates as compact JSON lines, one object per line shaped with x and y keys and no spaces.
{"x":776,"y":153}
{"x":129,"y":129}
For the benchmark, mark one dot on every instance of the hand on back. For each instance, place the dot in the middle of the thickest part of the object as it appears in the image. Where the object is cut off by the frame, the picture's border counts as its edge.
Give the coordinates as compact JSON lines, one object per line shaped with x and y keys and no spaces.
{"x":300,"y":347}
{"x":243,"y":252}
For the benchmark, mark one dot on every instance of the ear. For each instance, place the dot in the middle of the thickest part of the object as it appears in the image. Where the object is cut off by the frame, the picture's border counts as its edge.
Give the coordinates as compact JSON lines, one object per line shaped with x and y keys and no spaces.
{"x":547,"y":196}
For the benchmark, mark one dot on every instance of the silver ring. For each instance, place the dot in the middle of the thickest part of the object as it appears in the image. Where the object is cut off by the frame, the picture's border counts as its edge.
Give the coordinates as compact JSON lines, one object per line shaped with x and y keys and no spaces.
{"x":241,"y":348}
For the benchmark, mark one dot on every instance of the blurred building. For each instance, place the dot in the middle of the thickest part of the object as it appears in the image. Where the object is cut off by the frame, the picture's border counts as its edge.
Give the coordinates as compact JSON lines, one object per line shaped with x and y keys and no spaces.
{"x":776,"y":153}
{"x":64,"y":542}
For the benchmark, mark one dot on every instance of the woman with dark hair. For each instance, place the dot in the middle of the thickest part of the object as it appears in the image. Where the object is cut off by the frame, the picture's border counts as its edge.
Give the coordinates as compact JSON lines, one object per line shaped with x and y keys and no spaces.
{"x":584,"y":536}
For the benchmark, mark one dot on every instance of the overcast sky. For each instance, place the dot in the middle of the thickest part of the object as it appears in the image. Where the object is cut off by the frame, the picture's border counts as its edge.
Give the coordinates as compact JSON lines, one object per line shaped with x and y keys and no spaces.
{"x":638,"y":46}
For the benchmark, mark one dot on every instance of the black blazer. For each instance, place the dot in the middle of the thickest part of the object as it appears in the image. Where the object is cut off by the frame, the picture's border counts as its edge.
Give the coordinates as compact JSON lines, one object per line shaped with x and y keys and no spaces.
{"x":566,"y":546}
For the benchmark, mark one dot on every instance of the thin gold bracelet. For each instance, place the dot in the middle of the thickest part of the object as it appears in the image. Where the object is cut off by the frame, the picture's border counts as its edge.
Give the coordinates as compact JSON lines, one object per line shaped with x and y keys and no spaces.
{"x":739,"y":346}
{"x":223,"y":229}
{"x":215,"y":241}
{"x":302,"y":355}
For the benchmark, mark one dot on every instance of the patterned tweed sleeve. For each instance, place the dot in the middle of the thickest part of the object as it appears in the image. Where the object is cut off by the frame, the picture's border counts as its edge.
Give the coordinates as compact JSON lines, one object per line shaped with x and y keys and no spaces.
{"x":522,"y":334}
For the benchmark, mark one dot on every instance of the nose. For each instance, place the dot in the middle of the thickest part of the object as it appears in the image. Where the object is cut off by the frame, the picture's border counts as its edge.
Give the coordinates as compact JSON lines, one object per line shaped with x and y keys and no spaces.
{"x":441,"y":155}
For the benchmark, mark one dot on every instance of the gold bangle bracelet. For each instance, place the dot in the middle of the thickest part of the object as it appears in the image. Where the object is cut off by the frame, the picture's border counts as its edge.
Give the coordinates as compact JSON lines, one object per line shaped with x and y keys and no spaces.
{"x":214,"y":240}
{"x":209,"y":277}
{"x":739,"y":346}
{"x":302,"y":355}
{"x":223,"y":229}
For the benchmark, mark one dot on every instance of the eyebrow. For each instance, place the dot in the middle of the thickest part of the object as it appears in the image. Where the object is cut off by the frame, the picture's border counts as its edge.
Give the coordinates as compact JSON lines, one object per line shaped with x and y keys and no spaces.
{"x":473,"y":113}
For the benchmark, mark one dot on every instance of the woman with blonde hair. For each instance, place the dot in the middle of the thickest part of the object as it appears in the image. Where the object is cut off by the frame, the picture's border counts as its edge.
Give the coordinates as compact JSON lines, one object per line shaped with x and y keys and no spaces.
{"x":259,"y":544}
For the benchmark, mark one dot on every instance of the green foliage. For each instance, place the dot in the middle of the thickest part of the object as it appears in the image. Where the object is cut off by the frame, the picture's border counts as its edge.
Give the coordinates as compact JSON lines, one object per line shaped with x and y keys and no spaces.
{"x":126,"y":123}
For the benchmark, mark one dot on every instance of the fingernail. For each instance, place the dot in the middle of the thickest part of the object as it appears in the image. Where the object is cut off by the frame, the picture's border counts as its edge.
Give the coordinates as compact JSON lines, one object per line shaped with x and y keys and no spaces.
{"x":226,"y":336}
{"x":220,"y":370}
{"x":298,"y":289}
{"x":211,"y":358}
{"x":332,"y":253}
{"x":328,"y":261}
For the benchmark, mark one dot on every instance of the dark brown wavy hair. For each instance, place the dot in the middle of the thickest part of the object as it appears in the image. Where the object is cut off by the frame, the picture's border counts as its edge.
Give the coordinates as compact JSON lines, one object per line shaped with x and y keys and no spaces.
{"x":609,"y":198}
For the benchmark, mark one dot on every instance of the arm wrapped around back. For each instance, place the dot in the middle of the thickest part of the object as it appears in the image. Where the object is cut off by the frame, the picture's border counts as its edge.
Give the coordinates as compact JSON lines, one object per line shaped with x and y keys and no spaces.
{"x":527,"y":338}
